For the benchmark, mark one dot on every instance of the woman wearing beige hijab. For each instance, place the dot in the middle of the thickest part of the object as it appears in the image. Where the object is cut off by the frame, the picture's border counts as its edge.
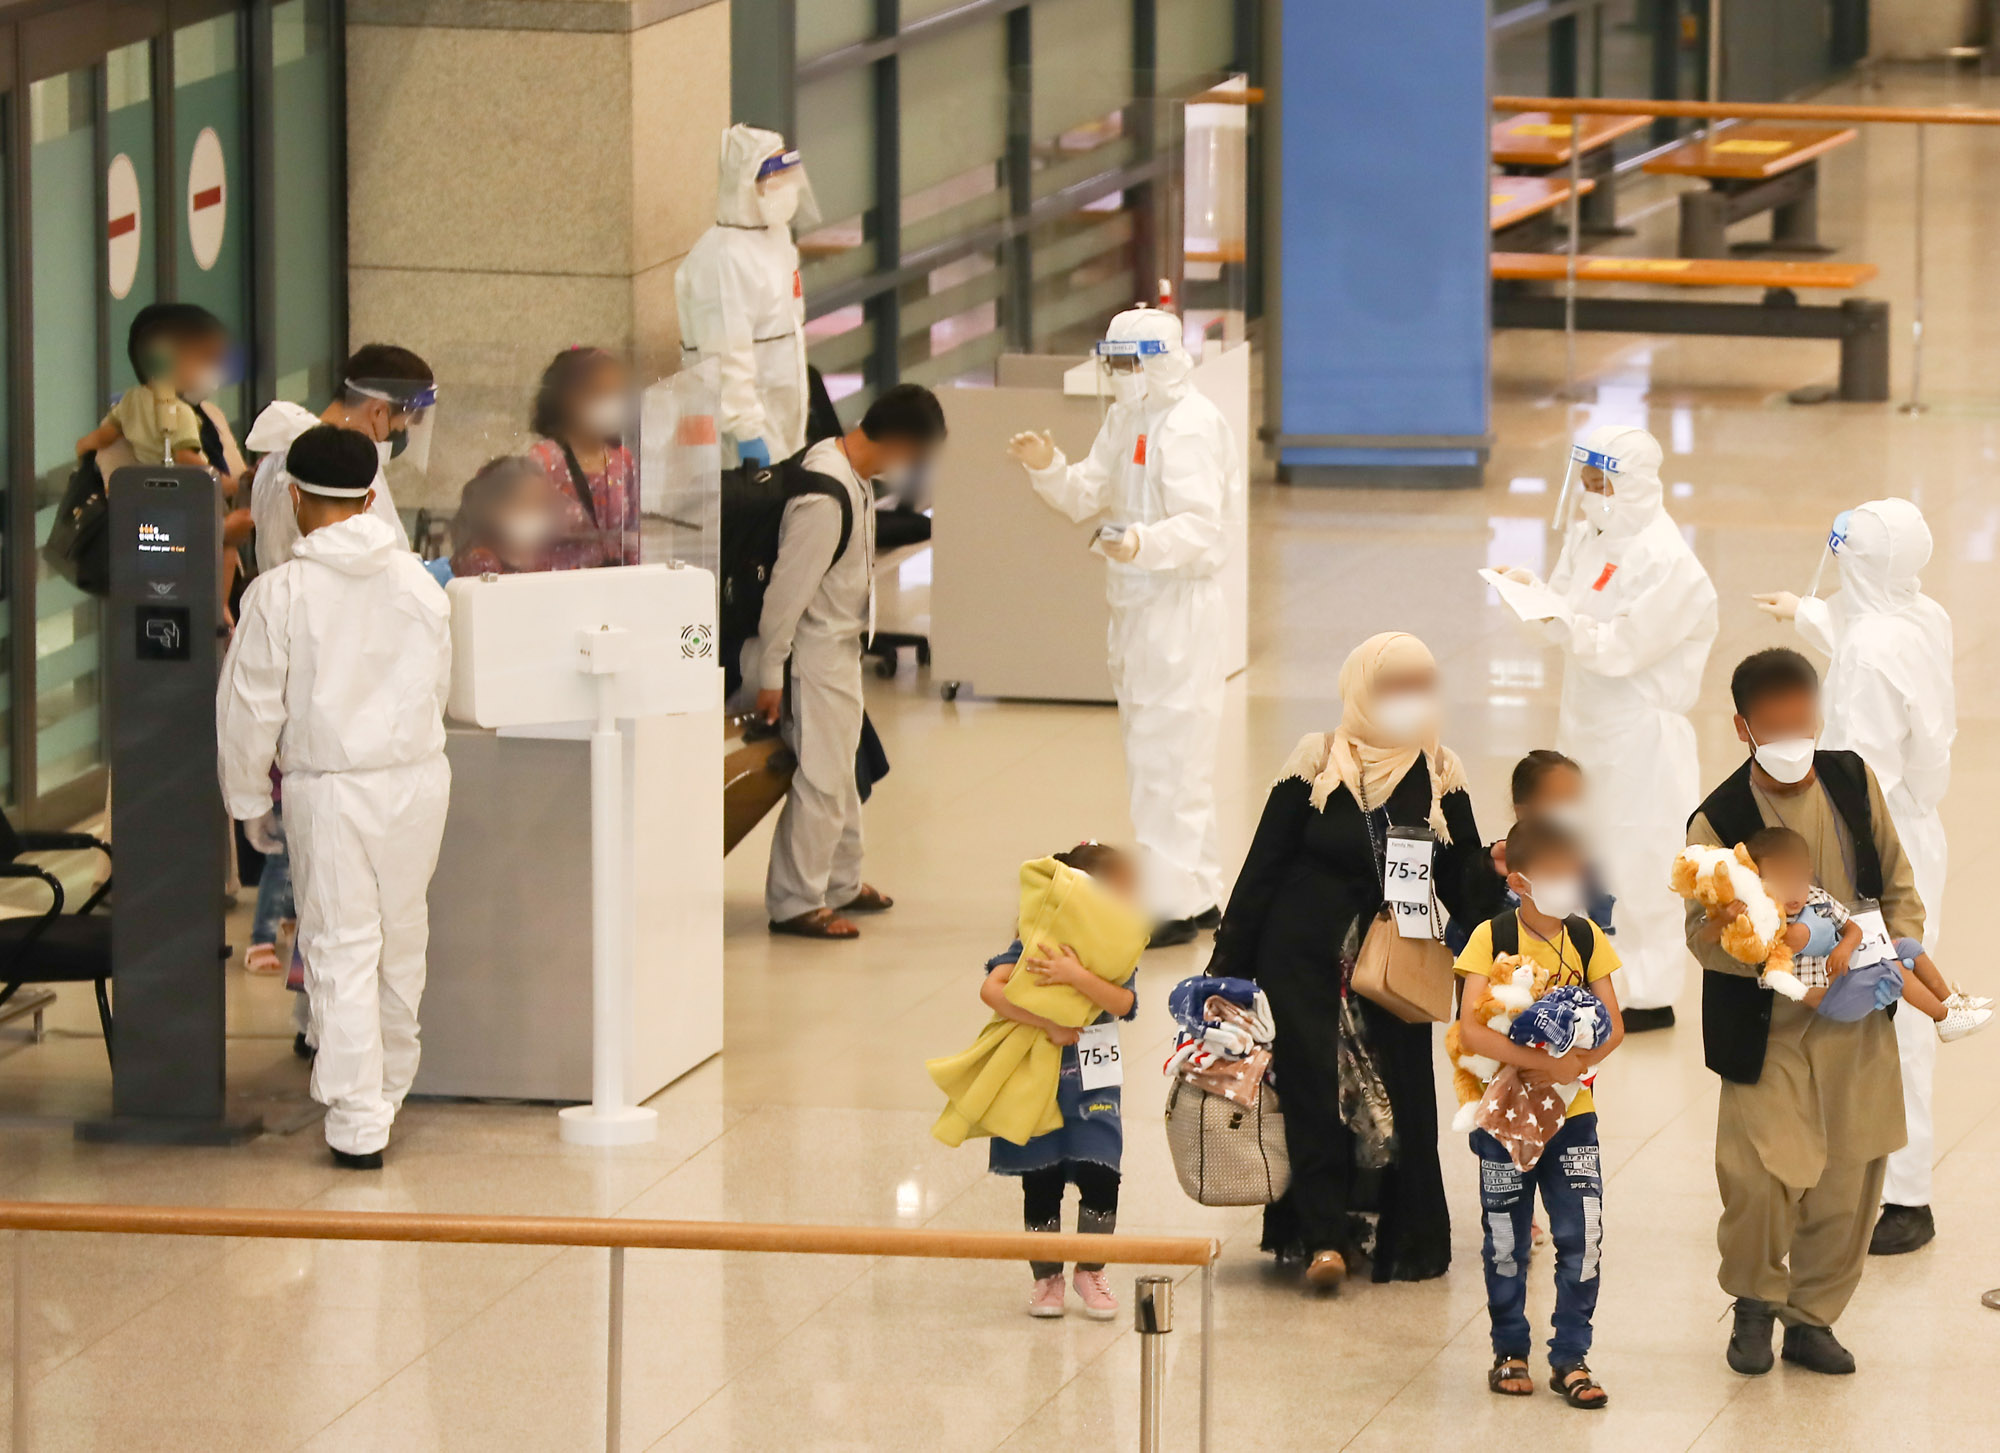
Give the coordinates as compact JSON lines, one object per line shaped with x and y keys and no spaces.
{"x":1310,"y":886}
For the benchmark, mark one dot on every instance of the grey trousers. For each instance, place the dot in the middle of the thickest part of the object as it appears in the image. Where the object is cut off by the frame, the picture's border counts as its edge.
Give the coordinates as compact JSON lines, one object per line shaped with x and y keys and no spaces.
{"x":816,"y":854}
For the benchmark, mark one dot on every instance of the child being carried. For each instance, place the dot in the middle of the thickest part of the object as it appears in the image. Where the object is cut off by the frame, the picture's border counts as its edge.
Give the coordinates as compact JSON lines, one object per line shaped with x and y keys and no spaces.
{"x":1823,"y":936}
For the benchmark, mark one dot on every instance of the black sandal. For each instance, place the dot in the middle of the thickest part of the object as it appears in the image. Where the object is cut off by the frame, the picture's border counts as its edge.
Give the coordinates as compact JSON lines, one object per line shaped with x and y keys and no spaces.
{"x":1572,"y":1392}
{"x":1504,"y":1370}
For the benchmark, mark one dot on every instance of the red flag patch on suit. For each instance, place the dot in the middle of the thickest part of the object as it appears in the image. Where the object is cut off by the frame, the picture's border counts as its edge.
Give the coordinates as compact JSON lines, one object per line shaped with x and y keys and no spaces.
{"x":1605,"y":579}
{"x":1139,"y":451}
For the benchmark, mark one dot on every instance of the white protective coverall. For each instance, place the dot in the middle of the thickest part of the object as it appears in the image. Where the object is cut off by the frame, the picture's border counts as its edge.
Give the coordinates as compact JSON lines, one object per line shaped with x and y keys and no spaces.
{"x":741,"y":303}
{"x":1167,"y":468}
{"x":1644,"y":619}
{"x":339,"y":669}
{"x":1889,"y":696}
{"x":271,"y":498}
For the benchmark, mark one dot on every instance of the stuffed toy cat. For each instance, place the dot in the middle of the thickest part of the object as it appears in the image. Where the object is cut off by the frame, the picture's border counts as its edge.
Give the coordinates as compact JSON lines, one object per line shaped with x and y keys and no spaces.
{"x":1715,"y":877}
{"x":1516,"y":983}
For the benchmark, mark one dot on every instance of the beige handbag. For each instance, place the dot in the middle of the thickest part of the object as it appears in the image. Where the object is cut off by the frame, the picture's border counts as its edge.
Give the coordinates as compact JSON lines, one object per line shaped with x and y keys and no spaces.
{"x":1409,"y":977}
{"x":1224,"y":1153}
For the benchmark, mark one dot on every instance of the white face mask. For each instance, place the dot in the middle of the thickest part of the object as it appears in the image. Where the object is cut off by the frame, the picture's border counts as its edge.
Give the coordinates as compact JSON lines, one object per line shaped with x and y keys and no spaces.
{"x":1598,"y":509}
{"x":1557,"y":897}
{"x":1128,"y":388}
{"x":778,"y":205}
{"x":1788,"y":760}
{"x":1571,"y":817}
{"x":1407,"y":717}
{"x":605,"y":417}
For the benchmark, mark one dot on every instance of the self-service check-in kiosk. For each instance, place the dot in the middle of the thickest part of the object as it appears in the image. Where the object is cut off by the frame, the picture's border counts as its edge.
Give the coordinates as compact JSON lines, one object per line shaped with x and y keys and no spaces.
{"x":168,"y":943}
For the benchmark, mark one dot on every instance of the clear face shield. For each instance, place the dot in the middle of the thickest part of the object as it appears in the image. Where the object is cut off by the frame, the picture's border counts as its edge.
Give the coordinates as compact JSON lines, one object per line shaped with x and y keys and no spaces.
{"x":1576,"y":484}
{"x":785,"y":195}
{"x":412,"y":421}
{"x":1836,"y":541}
{"x":1121,"y":368}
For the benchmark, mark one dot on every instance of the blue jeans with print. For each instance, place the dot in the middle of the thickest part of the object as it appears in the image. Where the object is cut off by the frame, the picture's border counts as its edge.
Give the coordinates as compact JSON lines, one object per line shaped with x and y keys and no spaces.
{"x":1573,"y":1191}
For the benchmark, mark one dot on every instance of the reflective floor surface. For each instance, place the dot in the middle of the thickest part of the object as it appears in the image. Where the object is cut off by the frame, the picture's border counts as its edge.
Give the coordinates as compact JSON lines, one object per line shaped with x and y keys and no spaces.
{"x":820,"y":1109}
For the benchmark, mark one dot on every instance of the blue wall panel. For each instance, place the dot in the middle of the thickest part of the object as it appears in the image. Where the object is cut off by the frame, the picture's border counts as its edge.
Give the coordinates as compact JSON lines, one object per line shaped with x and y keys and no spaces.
{"x":1384,"y":227}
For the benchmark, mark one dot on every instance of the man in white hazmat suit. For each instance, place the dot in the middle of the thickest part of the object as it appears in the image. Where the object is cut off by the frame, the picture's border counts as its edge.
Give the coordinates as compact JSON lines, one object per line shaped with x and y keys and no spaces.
{"x":339,"y":670}
{"x":1889,"y":697}
{"x":386,"y":393}
{"x":1166,"y":470}
{"x":1638,"y":617}
{"x":741,"y":301}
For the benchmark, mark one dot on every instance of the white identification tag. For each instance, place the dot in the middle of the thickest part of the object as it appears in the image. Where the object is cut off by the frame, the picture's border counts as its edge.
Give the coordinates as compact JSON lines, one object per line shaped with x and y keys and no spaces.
{"x":1097,"y":1056}
{"x":1406,"y":880}
{"x":1875,"y":945}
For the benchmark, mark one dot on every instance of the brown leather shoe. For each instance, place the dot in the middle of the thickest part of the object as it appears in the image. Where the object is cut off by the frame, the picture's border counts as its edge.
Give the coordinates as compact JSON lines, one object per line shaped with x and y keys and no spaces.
{"x":1326,"y":1271}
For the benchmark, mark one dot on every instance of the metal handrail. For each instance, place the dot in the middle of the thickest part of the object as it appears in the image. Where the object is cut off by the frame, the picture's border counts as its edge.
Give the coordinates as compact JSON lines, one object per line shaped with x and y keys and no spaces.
{"x":1753,"y":110}
{"x":619,"y":1235}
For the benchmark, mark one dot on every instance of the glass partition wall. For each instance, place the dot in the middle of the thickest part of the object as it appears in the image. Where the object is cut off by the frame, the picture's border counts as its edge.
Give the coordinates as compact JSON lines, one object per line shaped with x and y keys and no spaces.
{"x":153,"y":150}
{"x":993,"y":175}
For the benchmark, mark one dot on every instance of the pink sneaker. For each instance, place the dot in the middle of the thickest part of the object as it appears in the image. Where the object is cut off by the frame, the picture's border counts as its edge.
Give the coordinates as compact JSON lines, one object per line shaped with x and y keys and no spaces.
{"x":1094,"y":1287}
{"x":1048,"y":1298}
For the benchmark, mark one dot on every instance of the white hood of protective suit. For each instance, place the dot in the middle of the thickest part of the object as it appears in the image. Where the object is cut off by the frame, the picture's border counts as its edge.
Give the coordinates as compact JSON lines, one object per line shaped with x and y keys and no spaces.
{"x":744,"y":150}
{"x":341,"y":662}
{"x":1167,"y":374}
{"x":1888,"y":544}
{"x":279,"y":424}
{"x":1889,"y":692}
{"x":1636,"y":493}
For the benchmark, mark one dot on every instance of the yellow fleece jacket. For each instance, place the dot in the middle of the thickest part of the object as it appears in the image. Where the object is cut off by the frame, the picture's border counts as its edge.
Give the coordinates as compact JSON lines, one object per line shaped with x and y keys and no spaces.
{"x":1005,"y":1084}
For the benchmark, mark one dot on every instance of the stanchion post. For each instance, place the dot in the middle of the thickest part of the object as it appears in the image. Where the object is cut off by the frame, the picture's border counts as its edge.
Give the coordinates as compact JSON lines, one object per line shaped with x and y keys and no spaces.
{"x":20,"y":1419}
{"x":614,"y":1355}
{"x":1207,"y":1352}
{"x":1152,"y":1319}
{"x":1916,"y":404}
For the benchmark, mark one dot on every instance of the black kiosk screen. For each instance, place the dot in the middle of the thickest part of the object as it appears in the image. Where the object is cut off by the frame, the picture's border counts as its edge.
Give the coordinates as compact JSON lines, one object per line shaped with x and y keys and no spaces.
{"x":163,"y":541}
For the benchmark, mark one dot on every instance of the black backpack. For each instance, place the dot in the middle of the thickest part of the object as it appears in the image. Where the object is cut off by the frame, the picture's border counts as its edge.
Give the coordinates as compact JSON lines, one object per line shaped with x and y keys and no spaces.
{"x":753,"y":509}
{"x":1507,"y":937}
{"x":79,"y":544}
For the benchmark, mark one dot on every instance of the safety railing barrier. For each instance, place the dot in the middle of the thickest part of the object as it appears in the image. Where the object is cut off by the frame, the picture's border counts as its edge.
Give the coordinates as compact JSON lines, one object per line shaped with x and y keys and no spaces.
{"x":1921,"y":117}
{"x":1152,"y":1317}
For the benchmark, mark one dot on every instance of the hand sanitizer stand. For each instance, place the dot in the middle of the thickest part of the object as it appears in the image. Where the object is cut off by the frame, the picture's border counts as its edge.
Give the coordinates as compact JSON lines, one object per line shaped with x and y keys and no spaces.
{"x":626,"y":645}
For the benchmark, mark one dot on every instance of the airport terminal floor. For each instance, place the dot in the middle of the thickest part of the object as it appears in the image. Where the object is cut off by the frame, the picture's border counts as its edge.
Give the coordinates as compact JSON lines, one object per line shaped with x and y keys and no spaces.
{"x":820,"y":1110}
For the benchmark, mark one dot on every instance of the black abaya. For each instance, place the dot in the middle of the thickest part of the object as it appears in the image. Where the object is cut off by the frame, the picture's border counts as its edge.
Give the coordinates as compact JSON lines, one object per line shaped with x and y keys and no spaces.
{"x":1301,"y":904}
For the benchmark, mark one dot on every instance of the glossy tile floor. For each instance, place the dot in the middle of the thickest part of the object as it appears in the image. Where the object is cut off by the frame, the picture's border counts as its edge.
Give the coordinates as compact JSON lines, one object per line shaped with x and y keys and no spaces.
{"x":820,"y":1108}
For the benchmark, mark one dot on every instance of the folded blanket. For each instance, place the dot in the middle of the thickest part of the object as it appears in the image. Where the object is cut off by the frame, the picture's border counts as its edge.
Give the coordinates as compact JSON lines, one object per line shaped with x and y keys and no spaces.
{"x":1005,"y":1083}
{"x":1523,"y":1117}
{"x":1189,"y":1000}
{"x":1563,"y":1019}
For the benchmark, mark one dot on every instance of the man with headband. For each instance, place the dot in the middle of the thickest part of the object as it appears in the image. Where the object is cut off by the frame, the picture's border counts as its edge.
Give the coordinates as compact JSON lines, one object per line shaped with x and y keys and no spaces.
{"x":339,"y":671}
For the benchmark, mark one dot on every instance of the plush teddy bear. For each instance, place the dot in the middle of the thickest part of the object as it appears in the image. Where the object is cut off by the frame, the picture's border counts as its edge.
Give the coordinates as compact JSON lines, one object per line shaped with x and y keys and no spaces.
{"x":1515,"y":984}
{"x":1715,"y":877}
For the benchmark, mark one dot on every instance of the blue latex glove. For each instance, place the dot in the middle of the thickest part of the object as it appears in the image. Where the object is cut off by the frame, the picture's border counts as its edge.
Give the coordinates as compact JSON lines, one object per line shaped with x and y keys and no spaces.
{"x":1860,"y":992}
{"x":754,"y":451}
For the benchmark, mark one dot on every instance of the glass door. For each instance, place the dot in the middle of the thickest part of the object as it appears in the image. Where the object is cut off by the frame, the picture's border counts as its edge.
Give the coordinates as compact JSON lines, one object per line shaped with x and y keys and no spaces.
{"x":64,"y":232}
{"x":212,"y":263}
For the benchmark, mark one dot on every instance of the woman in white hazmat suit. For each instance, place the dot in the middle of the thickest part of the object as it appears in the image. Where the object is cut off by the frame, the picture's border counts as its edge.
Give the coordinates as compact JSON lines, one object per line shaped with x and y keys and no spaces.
{"x":1889,"y":696}
{"x":1641,"y":619}
{"x":1166,"y":469}
{"x":741,"y":301}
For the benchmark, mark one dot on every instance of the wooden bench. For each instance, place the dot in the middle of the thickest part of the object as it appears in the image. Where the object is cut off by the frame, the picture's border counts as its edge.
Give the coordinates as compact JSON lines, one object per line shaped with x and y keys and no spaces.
{"x":1860,"y":324}
{"x":1536,"y":143}
{"x":1752,"y":167}
{"x":1520,"y":209}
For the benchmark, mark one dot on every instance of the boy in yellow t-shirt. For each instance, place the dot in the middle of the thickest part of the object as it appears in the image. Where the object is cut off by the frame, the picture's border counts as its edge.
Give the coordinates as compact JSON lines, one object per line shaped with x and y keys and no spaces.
{"x":1546,"y":868}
